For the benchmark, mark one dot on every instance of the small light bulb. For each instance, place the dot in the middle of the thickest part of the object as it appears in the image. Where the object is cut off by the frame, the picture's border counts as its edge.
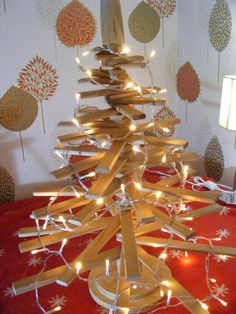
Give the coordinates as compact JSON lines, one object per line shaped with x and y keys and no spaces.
{"x":77,"y":194}
{"x":78,"y":267}
{"x":132,"y":127}
{"x":107,"y":264}
{"x":135,"y":148}
{"x":163,"y":160}
{"x":186,"y":254}
{"x":162,"y":91}
{"x":91,"y":174}
{"x":122,"y":187}
{"x":186,"y":168}
{"x":138,"y":185}
{"x":223,"y":302}
{"x":64,"y":242}
{"x":125,"y":50}
{"x":138,"y":89}
{"x":212,"y":280}
{"x":103,"y":144}
{"x":58,"y":308}
{"x":99,"y":201}
{"x":204,"y":306}
{"x":89,"y":73}
{"x":169,"y":294}
{"x":129,"y":84}
{"x":75,"y":121}
{"x":152,"y":54}
{"x":150,"y":125}
{"x":165,"y":130}
{"x":77,"y":97}
{"x":77,"y":59}
{"x":134,"y":286}
{"x":161,"y":292}
{"x":59,"y":154}
{"x":163,"y":255}
{"x":86,"y":53}
{"x":165,"y":283}
{"x":125,"y":310}
{"x":158,"y":194}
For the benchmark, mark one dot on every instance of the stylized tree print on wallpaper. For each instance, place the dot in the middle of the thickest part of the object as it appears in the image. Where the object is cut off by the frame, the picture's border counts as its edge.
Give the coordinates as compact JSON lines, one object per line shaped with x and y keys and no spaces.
{"x":214,"y":159}
{"x":144,"y":24}
{"x":220,"y":25}
{"x":75,"y":25}
{"x":165,"y":113}
{"x":39,"y":79}
{"x":18,"y":110}
{"x":188,"y":85}
{"x":47,"y":11}
{"x":165,"y":8}
{"x":7,"y":187}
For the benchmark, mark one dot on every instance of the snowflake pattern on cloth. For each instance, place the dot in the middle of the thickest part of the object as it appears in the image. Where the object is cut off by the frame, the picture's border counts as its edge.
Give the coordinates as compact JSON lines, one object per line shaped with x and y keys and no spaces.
{"x":9,"y":292}
{"x":220,"y":258}
{"x":223,"y":233}
{"x":176,"y":253}
{"x":225,"y":211}
{"x":2,"y":252}
{"x":34,"y":261}
{"x":221,"y":290}
{"x":57,"y":301}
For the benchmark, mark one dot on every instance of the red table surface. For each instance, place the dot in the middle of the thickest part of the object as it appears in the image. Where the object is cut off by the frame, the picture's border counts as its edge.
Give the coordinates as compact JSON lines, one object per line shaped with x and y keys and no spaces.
{"x":190,"y":271}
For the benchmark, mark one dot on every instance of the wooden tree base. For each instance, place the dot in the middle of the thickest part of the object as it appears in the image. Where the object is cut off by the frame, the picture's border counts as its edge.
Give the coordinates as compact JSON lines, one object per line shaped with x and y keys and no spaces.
{"x":104,"y":291}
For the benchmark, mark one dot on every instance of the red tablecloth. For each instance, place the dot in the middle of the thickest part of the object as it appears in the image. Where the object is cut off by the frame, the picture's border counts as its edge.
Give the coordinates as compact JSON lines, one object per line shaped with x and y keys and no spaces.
{"x":190,"y":272}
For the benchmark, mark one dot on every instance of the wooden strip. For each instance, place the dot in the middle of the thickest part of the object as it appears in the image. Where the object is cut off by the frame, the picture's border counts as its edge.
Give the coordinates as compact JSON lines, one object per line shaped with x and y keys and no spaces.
{"x":123,"y":286}
{"x":78,"y":136}
{"x":66,"y":278}
{"x":112,"y":154}
{"x":82,"y":150}
{"x":156,"y":159}
{"x":33,"y":231}
{"x":154,"y":140}
{"x":129,"y":246}
{"x":186,"y":246}
{"x":140,"y":205}
{"x":50,"y":276}
{"x":130,"y":112}
{"x":59,"y":207}
{"x":208,"y":197}
{"x":206,"y":210}
{"x":96,"y":115}
{"x":139,"y":100}
{"x":148,"y":227}
{"x":81,"y":165}
{"x":54,"y":190}
{"x":34,"y":244}
{"x":175,"y":179}
{"x":100,"y":186}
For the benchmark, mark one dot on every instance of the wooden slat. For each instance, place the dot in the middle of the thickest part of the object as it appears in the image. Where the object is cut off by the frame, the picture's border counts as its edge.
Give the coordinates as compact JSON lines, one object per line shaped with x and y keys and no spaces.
{"x":129,"y":246}
{"x":100,"y":186}
{"x":112,"y":154}
{"x":148,"y":227}
{"x":203,"y":211}
{"x":140,"y":100}
{"x":54,"y":190}
{"x":50,"y":276}
{"x":96,"y":115}
{"x":82,"y":150}
{"x":130,"y":112}
{"x":153,"y":140}
{"x":34,"y":244}
{"x":208,"y":197}
{"x":81,"y":165}
{"x":93,"y":247}
{"x":186,"y":246}
{"x":59,"y":207}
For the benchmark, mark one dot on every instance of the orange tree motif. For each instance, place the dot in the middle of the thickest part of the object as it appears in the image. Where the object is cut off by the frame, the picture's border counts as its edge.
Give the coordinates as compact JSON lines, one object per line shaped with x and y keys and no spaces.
{"x":39,"y":79}
{"x":75,"y":25}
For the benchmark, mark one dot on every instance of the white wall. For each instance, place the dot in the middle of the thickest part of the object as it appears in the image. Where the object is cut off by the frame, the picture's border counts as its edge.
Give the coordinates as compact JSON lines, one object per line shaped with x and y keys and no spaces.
{"x":23,"y":35}
{"x":194,"y":46}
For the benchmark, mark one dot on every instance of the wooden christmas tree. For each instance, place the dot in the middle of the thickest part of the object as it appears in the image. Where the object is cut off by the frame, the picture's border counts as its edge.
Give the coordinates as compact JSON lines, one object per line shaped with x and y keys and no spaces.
{"x":123,"y":277}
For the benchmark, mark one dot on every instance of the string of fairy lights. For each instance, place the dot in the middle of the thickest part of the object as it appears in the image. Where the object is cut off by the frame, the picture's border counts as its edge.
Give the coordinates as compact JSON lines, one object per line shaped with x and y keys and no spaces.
{"x":173,"y":209}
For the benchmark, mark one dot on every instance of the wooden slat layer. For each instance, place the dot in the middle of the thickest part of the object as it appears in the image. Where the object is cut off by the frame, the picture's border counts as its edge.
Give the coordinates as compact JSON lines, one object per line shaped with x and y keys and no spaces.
{"x":131,"y":112}
{"x":60,"y":236}
{"x":50,"y":276}
{"x":81,"y":165}
{"x":188,"y":246}
{"x":93,"y":247}
{"x":129,"y":246}
{"x":112,"y":154}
